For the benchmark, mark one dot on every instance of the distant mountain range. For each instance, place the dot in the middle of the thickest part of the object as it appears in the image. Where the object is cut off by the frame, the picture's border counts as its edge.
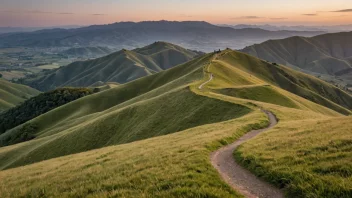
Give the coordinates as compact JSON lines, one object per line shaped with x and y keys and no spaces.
{"x":328,"y":54}
{"x":195,"y":35}
{"x":121,"y":67}
{"x":4,"y":30}
{"x":331,"y":29}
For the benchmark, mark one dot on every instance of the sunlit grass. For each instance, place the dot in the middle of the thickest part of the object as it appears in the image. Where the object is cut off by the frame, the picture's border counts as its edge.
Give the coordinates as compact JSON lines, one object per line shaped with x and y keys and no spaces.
{"x":178,"y":164}
{"x":310,"y":158}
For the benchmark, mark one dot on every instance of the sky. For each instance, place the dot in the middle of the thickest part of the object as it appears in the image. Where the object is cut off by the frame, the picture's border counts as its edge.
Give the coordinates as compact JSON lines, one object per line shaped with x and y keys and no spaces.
{"x":44,"y":13}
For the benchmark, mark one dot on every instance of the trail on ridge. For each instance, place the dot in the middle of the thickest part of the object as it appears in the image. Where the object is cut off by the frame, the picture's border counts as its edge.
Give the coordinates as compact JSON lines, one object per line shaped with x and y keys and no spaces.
{"x":235,"y":175}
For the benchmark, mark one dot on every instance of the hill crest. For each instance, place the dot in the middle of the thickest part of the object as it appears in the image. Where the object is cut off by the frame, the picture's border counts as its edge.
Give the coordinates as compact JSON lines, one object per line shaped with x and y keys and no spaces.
{"x":120,"y":67}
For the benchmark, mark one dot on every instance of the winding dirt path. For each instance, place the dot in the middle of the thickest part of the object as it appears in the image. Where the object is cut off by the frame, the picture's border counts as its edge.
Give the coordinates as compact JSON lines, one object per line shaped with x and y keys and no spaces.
{"x":210,"y":79}
{"x":238,"y":177}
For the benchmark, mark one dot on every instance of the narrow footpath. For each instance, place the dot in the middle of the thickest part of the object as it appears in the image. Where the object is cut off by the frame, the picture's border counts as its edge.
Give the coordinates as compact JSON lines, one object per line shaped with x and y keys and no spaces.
{"x":238,"y":177}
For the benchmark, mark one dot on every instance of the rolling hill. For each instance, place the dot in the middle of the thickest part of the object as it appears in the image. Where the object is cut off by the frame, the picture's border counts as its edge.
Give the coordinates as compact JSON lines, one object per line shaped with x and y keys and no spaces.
{"x":12,"y":94}
{"x":196,"y":35}
{"x":153,"y":136}
{"x":121,"y":67}
{"x":324,"y":55}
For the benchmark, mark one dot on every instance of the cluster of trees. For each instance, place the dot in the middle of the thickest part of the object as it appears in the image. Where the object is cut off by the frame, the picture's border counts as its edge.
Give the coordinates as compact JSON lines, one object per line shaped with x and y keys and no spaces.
{"x":24,"y":133}
{"x":39,"y":105}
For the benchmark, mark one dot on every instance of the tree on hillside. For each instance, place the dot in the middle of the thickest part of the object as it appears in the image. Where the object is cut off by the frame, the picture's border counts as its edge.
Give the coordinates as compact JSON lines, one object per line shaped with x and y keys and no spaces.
{"x":34,"y":107}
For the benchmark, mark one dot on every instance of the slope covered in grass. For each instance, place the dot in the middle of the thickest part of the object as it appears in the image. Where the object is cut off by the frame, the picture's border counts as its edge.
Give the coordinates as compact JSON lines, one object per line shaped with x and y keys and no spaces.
{"x":127,"y":113}
{"x":260,"y":93}
{"x":175,"y":165}
{"x":124,"y":94}
{"x":121,"y":67}
{"x":12,"y":94}
{"x":172,"y":112}
{"x":290,"y":80}
{"x":328,"y":54}
{"x":167,"y":163}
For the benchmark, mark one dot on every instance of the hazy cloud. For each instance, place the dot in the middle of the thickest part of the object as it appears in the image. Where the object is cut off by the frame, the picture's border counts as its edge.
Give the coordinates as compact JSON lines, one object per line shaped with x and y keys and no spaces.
{"x":279,"y":18}
{"x":248,"y":17}
{"x":65,"y":13}
{"x":98,"y":14}
{"x":310,"y":14}
{"x":345,"y":10}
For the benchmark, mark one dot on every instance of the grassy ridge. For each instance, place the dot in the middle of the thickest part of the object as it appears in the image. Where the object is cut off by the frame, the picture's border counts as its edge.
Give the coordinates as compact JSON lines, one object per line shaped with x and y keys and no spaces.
{"x":327,"y":54}
{"x":235,"y":70}
{"x":94,"y":119}
{"x":295,"y":82}
{"x":121,"y":67}
{"x":121,"y":96}
{"x":12,"y":94}
{"x":307,"y":153}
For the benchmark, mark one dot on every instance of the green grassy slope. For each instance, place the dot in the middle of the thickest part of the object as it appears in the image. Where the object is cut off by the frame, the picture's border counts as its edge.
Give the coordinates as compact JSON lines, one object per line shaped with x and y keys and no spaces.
{"x":124,"y":95}
{"x":295,"y":82}
{"x":260,"y":93}
{"x":12,"y":94}
{"x":101,"y":109}
{"x":103,"y":118}
{"x":173,"y":112}
{"x":327,"y":54}
{"x":121,"y":67}
{"x":173,"y":165}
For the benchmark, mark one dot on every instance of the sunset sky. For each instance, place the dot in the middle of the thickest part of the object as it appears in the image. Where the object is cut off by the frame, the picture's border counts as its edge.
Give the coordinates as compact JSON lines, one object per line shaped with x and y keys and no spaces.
{"x":38,"y":13}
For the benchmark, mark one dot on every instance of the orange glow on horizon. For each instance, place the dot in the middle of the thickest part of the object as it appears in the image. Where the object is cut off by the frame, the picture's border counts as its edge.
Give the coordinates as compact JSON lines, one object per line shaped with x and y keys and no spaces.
{"x":299,"y":12}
